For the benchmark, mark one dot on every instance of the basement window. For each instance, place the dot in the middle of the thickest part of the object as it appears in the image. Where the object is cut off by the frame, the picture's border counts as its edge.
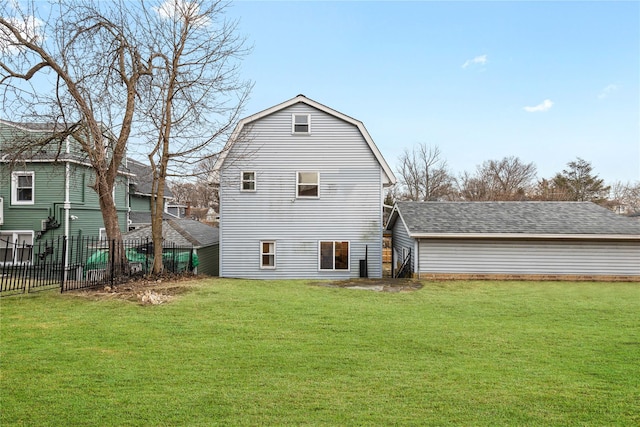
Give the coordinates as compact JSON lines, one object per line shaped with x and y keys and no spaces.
{"x":16,"y":247}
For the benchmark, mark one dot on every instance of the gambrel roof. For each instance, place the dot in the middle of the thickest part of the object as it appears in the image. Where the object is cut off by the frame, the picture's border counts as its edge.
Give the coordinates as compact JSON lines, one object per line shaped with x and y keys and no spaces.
{"x":391,"y":179}
{"x":533,"y":220}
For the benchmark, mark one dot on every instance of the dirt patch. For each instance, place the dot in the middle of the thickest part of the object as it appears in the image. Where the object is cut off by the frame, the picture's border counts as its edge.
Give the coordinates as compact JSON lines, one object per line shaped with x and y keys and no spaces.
{"x":145,"y":291}
{"x":376,"y":285}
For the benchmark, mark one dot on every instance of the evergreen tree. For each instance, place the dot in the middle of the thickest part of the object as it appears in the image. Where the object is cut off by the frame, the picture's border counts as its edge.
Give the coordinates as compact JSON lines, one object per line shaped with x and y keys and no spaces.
{"x":579,"y":183}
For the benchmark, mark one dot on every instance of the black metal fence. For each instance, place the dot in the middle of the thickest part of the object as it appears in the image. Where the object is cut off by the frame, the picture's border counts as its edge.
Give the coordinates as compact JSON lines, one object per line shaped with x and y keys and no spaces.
{"x":82,"y":262}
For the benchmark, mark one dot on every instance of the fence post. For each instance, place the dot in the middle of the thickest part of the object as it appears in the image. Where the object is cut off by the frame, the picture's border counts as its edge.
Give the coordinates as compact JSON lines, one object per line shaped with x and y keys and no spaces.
{"x":112,"y":260}
{"x":64,"y":261}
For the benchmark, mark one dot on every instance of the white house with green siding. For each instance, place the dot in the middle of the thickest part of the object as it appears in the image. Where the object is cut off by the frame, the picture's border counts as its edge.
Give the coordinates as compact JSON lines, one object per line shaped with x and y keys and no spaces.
{"x":301,"y":191}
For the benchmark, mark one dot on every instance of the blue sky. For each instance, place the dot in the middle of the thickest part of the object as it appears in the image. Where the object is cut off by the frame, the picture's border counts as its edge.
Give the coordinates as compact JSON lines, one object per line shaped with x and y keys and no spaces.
{"x":544,"y":81}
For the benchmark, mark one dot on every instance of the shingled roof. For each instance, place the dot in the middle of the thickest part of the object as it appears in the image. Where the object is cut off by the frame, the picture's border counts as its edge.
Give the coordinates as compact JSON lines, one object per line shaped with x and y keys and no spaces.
{"x":143,"y":178}
{"x":181,"y":232}
{"x":513,"y":219}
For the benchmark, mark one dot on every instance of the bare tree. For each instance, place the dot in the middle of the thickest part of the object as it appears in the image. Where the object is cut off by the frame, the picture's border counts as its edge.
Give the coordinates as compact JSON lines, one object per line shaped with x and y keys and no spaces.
{"x":545,"y":189}
{"x":164,"y":72}
{"x":624,"y":197}
{"x":78,"y":70}
{"x":506,"y":179}
{"x":194,"y":95}
{"x":424,"y":175}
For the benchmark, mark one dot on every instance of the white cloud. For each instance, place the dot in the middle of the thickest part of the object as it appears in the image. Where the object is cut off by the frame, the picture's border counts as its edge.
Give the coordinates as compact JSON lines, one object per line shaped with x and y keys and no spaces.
{"x":608,"y":90}
{"x":29,"y":28}
{"x":172,"y":9}
{"x":482,"y":59}
{"x":544,"y":106}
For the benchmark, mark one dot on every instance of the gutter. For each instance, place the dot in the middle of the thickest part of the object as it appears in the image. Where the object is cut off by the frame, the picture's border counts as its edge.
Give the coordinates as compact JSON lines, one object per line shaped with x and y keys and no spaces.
{"x":526,"y":236}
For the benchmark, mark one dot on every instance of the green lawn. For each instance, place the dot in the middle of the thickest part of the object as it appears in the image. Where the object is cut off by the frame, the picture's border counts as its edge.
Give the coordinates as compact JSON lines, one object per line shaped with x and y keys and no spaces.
{"x":239,"y":352}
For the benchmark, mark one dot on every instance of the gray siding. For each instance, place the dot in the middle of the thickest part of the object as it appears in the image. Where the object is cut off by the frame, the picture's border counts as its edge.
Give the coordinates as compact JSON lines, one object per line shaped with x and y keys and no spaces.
{"x":529,"y":257}
{"x":349,"y":207}
{"x":401,"y":240}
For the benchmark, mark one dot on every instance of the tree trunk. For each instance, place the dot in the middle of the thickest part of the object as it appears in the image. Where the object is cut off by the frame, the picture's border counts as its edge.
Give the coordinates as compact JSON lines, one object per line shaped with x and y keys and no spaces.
{"x":156,"y":230}
{"x":118,"y":259}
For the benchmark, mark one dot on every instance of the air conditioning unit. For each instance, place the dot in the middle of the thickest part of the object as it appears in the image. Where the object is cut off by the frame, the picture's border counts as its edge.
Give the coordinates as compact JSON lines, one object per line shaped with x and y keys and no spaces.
{"x":1,"y":211}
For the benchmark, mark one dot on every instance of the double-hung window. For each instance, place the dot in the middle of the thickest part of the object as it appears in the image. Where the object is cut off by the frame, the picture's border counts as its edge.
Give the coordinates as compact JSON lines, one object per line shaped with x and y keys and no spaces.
{"x":308,"y":184}
{"x":22,"y":188}
{"x":248,"y":181}
{"x":301,"y":123}
{"x":334,"y":255}
{"x":16,"y":247}
{"x":268,"y":254}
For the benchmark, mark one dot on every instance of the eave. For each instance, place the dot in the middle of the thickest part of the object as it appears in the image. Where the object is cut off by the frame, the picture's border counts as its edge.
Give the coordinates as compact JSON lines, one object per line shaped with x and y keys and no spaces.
{"x":525,"y":236}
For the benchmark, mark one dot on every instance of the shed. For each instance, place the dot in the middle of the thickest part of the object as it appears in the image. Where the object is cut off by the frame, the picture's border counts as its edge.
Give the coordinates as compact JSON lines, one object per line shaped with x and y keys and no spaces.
{"x":514,"y":239}
{"x":188,"y":232}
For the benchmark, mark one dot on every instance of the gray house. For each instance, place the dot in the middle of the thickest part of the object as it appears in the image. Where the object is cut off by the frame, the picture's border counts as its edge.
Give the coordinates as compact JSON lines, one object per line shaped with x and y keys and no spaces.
{"x":188,"y":233}
{"x":301,"y":190}
{"x":525,"y":239}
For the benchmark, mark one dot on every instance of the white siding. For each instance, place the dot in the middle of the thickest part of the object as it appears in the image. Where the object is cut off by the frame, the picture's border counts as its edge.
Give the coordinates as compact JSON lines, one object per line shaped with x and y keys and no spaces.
{"x":529,"y":257}
{"x":349,"y":207}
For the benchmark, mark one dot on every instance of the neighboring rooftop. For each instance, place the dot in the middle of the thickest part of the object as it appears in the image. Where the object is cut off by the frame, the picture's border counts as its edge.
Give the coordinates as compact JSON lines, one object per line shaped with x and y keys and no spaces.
{"x":182,"y":232}
{"x":143,"y":179}
{"x":531,"y":218}
{"x":144,"y":217}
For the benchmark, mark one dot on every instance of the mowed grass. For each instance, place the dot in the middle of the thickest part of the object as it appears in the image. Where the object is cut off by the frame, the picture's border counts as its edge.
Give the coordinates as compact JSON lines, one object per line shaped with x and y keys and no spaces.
{"x":239,"y":352}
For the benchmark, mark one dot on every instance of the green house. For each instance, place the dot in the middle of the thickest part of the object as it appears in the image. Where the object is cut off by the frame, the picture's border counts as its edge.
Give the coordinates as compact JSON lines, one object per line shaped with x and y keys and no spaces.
{"x":48,"y":193}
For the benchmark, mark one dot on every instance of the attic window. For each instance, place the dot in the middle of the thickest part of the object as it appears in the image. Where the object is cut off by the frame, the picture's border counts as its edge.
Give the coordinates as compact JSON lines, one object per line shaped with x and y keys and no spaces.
{"x":301,"y":123}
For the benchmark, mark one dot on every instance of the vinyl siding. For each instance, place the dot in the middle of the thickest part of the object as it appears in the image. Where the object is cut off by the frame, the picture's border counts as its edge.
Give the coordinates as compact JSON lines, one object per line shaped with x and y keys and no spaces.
{"x":349,"y":207}
{"x":49,"y":196}
{"x":529,"y":257}
{"x":140,"y":203}
{"x":401,"y":240}
{"x":208,"y":260}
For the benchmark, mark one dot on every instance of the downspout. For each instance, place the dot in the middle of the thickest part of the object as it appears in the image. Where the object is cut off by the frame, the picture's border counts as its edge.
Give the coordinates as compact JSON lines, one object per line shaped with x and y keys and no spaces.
{"x":128,"y":196}
{"x":67,"y":208}
{"x":417,"y":256}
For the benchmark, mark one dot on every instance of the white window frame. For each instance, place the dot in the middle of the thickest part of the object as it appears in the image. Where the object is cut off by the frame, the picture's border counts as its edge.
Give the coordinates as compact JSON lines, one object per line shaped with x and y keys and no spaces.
{"x":264,"y":266}
{"x":254,"y":181}
{"x":15,"y":242}
{"x":298,"y":184}
{"x":320,"y":242}
{"x":14,"y":187}
{"x":102,"y":233}
{"x":308,"y":124}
